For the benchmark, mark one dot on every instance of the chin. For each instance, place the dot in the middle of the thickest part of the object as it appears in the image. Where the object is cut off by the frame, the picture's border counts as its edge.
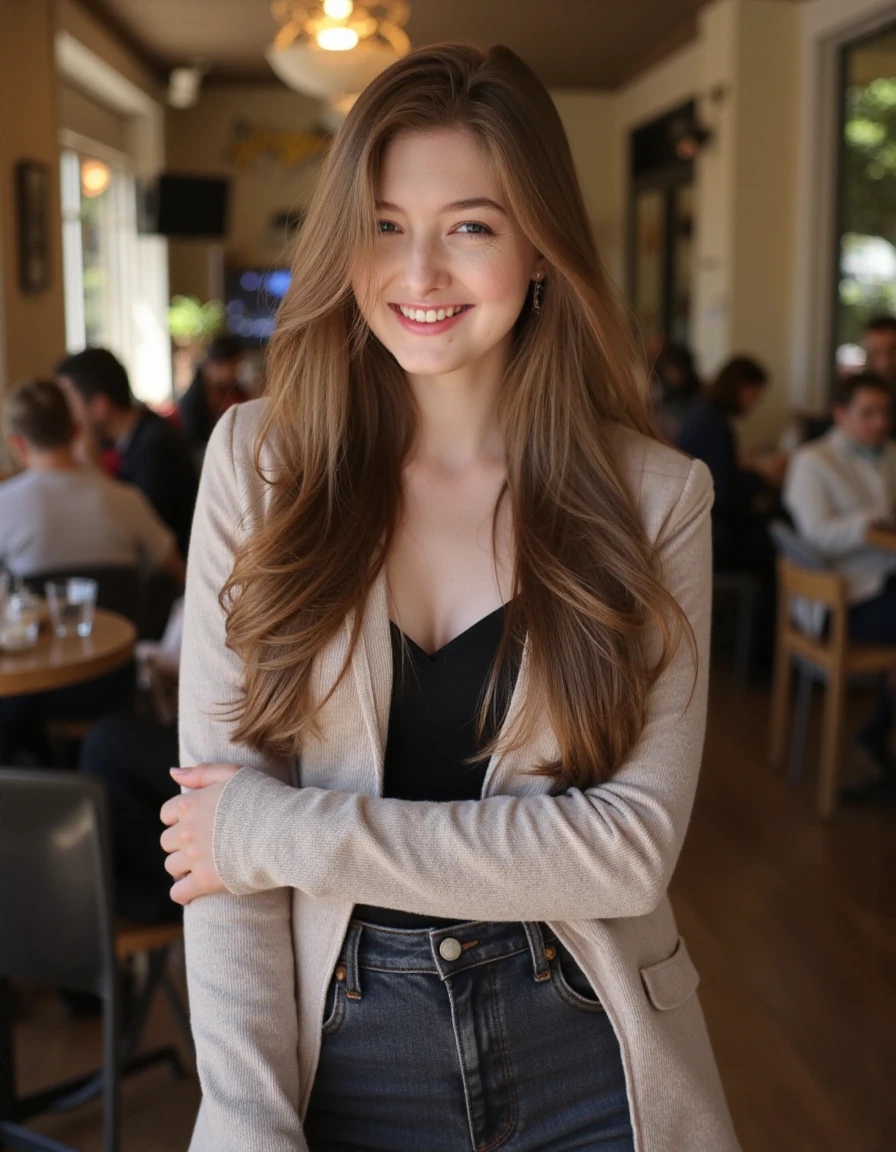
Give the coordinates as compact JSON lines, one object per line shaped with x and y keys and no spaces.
{"x":417,"y":363}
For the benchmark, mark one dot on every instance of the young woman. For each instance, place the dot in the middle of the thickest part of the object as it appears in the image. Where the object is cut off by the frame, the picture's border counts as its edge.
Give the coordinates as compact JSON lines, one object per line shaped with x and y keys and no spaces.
{"x":445,"y":671}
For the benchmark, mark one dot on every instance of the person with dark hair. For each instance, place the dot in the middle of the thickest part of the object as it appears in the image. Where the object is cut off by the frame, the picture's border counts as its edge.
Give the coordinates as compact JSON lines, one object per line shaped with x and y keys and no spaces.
{"x":879,"y":342}
{"x":214,"y":389}
{"x":676,"y":389}
{"x":739,"y":537}
{"x":60,"y":516}
{"x":837,"y":488}
{"x":56,"y":513}
{"x":152,"y":454}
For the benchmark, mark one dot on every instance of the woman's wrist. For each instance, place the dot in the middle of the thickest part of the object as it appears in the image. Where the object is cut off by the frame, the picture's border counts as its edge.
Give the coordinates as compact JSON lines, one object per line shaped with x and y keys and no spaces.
{"x":238,"y":835}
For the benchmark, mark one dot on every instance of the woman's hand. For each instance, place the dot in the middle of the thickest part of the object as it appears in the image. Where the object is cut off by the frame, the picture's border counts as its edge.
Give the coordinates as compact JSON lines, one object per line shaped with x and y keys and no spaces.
{"x":188,"y":838}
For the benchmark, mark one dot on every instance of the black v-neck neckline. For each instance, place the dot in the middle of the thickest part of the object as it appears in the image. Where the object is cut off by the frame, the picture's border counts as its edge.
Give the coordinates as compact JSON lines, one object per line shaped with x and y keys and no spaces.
{"x":461,"y":636}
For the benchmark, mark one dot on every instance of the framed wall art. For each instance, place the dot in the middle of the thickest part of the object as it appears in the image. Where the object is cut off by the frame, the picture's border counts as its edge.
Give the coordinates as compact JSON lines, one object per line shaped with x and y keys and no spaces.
{"x":33,"y":225}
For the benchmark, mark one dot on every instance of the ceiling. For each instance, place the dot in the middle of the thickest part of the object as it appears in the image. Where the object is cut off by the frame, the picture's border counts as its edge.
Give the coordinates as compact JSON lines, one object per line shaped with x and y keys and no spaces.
{"x":569,"y":43}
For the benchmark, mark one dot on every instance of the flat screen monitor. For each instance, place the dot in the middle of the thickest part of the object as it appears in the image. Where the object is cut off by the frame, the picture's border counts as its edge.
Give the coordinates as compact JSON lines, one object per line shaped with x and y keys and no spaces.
{"x":191,"y":207}
{"x":253,"y":298}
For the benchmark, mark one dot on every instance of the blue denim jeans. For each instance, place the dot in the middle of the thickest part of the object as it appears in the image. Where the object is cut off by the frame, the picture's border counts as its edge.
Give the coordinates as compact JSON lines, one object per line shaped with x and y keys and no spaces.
{"x":465,"y":1039}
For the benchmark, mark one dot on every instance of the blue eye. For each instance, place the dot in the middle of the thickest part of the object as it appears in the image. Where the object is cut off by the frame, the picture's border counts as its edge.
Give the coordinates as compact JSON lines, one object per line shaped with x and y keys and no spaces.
{"x":385,"y":227}
{"x":476,"y":229}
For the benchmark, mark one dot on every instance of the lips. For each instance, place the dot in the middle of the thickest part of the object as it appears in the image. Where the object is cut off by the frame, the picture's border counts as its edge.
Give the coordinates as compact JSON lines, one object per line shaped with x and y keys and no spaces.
{"x":430,"y":315}
{"x":433,"y":320}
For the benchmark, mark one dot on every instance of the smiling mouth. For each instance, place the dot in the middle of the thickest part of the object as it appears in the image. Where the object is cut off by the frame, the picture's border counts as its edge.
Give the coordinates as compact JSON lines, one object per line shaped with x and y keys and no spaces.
{"x":430,"y":315}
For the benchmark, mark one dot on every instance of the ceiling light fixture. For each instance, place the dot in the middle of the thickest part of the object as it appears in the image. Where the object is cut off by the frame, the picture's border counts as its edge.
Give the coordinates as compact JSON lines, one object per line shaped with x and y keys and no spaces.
{"x":331,"y":49}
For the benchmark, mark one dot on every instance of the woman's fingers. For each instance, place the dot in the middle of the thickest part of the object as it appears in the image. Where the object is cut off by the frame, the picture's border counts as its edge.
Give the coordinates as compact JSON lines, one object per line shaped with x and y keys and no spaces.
{"x":202,"y":775}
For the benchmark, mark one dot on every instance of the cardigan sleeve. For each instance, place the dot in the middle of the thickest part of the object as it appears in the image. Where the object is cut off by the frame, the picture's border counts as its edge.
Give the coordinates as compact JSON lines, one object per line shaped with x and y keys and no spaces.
{"x":605,"y":852}
{"x":240,"y":962}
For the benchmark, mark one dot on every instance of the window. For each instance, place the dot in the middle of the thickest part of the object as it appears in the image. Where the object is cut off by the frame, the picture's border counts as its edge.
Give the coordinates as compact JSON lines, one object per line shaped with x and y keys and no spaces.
{"x":115,"y":281}
{"x":866,"y":249}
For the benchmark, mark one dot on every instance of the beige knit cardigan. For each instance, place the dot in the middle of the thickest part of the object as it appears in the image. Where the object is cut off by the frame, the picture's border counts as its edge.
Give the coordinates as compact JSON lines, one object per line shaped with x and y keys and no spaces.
{"x":298,"y":844}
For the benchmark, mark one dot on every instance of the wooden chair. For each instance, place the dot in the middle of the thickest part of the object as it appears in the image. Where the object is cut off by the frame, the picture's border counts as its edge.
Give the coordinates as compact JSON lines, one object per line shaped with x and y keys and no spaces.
{"x":831,"y":657}
{"x":56,"y":908}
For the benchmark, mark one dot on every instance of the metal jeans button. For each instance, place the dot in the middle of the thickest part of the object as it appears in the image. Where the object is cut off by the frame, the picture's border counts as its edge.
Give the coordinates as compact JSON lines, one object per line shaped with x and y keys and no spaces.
{"x":450,"y":949}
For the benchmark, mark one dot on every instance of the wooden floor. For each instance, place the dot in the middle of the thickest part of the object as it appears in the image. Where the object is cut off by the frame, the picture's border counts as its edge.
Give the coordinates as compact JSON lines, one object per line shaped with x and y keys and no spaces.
{"x":790,"y":922}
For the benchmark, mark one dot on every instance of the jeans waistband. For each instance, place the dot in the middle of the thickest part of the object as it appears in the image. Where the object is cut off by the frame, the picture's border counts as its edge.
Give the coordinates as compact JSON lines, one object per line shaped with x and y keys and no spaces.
{"x":442,"y":951}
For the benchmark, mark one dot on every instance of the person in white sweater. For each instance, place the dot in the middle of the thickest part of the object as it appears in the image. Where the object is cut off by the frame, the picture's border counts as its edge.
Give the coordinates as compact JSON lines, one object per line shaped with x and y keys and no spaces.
{"x":445,"y":670}
{"x":836,"y":489}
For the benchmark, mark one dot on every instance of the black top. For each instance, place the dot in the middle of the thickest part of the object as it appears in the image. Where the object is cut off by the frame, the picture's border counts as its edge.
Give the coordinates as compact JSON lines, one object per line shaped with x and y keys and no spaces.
{"x":433,"y":718}
{"x":157,"y":460}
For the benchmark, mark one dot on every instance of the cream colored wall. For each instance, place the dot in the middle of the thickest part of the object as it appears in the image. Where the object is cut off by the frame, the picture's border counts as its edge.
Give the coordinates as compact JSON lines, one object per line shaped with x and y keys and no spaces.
{"x":764,"y":202}
{"x":744,"y":182}
{"x":114,"y":65}
{"x":91,"y":119}
{"x":197,"y":141}
{"x":33,"y":326}
{"x":588,"y":120}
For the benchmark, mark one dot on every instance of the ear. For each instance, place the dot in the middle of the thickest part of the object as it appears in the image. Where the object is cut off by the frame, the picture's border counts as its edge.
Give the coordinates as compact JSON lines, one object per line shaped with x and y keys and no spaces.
{"x":539,"y":267}
{"x":19,"y":448}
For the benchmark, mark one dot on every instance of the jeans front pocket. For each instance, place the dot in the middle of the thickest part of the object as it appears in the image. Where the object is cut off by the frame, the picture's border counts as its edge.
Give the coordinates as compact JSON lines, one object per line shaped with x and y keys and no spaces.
{"x":570,"y":981}
{"x":334,"y":1006}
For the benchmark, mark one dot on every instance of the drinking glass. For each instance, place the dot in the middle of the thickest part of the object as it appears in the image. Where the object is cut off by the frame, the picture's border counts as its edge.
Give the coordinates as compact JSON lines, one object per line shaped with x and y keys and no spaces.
{"x":71,"y":603}
{"x":19,"y":620}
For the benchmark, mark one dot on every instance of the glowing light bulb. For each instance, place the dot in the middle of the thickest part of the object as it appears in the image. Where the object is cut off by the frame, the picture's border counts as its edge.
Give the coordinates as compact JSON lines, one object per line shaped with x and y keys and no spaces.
{"x":95,"y":178}
{"x":338,"y":9}
{"x":337,"y":39}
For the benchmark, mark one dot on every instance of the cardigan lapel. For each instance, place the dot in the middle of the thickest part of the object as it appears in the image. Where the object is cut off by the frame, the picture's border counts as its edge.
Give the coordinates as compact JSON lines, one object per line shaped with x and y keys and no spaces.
{"x":372,"y":668}
{"x":509,"y":773}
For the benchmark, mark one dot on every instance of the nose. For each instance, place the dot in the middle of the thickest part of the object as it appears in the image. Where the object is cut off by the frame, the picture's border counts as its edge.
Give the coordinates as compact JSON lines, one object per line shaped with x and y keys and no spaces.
{"x":424,"y":271}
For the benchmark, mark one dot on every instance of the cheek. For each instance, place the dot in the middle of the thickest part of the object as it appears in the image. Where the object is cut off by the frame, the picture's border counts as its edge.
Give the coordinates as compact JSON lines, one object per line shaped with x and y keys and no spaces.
{"x":365,"y":291}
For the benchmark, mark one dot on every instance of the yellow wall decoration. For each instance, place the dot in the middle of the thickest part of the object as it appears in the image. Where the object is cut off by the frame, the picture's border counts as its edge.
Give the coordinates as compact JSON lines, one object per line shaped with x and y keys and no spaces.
{"x":285,"y":148}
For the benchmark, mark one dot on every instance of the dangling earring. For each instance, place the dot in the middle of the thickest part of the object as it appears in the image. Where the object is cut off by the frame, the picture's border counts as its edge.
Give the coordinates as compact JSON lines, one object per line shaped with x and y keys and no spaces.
{"x":536,"y":294}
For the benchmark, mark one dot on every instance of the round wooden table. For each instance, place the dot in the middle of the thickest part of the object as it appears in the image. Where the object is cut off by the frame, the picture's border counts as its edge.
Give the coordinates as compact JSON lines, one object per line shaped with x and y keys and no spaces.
{"x":56,"y":663}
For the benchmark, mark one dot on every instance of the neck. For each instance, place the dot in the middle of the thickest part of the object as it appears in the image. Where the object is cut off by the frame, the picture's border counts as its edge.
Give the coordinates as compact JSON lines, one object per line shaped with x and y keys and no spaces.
{"x":52,"y":460}
{"x":458,"y":413}
{"x":863,"y":449}
{"x":122,"y":423}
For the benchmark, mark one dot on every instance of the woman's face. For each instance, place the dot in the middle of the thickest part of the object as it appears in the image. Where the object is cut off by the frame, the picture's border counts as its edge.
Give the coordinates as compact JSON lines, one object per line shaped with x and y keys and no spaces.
{"x":451,"y":268}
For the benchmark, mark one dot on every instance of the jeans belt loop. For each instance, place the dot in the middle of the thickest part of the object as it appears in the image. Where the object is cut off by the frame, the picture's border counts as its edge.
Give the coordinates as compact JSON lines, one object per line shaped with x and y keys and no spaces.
{"x":541,"y":968}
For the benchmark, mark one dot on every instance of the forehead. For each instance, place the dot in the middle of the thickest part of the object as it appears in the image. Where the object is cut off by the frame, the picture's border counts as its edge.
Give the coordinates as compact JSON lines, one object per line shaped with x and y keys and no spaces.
{"x":429,"y":169}
{"x":870,"y":398}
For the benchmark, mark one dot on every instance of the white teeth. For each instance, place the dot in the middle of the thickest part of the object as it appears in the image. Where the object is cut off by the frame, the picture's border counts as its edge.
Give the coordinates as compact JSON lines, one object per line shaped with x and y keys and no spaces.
{"x":430,"y":315}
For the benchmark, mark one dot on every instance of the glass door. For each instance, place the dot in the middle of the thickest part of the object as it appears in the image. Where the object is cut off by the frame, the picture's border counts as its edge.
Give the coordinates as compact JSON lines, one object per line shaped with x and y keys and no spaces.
{"x":866,"y":250}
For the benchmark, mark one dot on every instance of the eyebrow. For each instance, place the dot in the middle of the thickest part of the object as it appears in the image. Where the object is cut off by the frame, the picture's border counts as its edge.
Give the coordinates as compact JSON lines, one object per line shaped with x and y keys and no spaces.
{"x":454,"y":206}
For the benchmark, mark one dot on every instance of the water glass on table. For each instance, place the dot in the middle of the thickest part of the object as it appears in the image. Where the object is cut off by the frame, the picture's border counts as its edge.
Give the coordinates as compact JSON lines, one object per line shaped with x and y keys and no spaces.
{"x":71,"y":603}
{"x":19,"y":618}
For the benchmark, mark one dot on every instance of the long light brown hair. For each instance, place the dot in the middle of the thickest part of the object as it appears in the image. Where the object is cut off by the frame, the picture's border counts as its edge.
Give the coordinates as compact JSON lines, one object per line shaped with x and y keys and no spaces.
{"x":341,"y":421}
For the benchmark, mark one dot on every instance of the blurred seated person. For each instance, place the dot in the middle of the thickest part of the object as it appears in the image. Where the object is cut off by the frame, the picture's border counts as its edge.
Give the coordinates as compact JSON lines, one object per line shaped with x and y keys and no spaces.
{"x":132,"y":756}
{"x":838,"y":487}
{"x":151,"y":454}
{"x":879,"y":343}
{"x":58,"y":514}
{"x":676,"y":389}
{"x":214,"y":389}
{"x":745,"y":489}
